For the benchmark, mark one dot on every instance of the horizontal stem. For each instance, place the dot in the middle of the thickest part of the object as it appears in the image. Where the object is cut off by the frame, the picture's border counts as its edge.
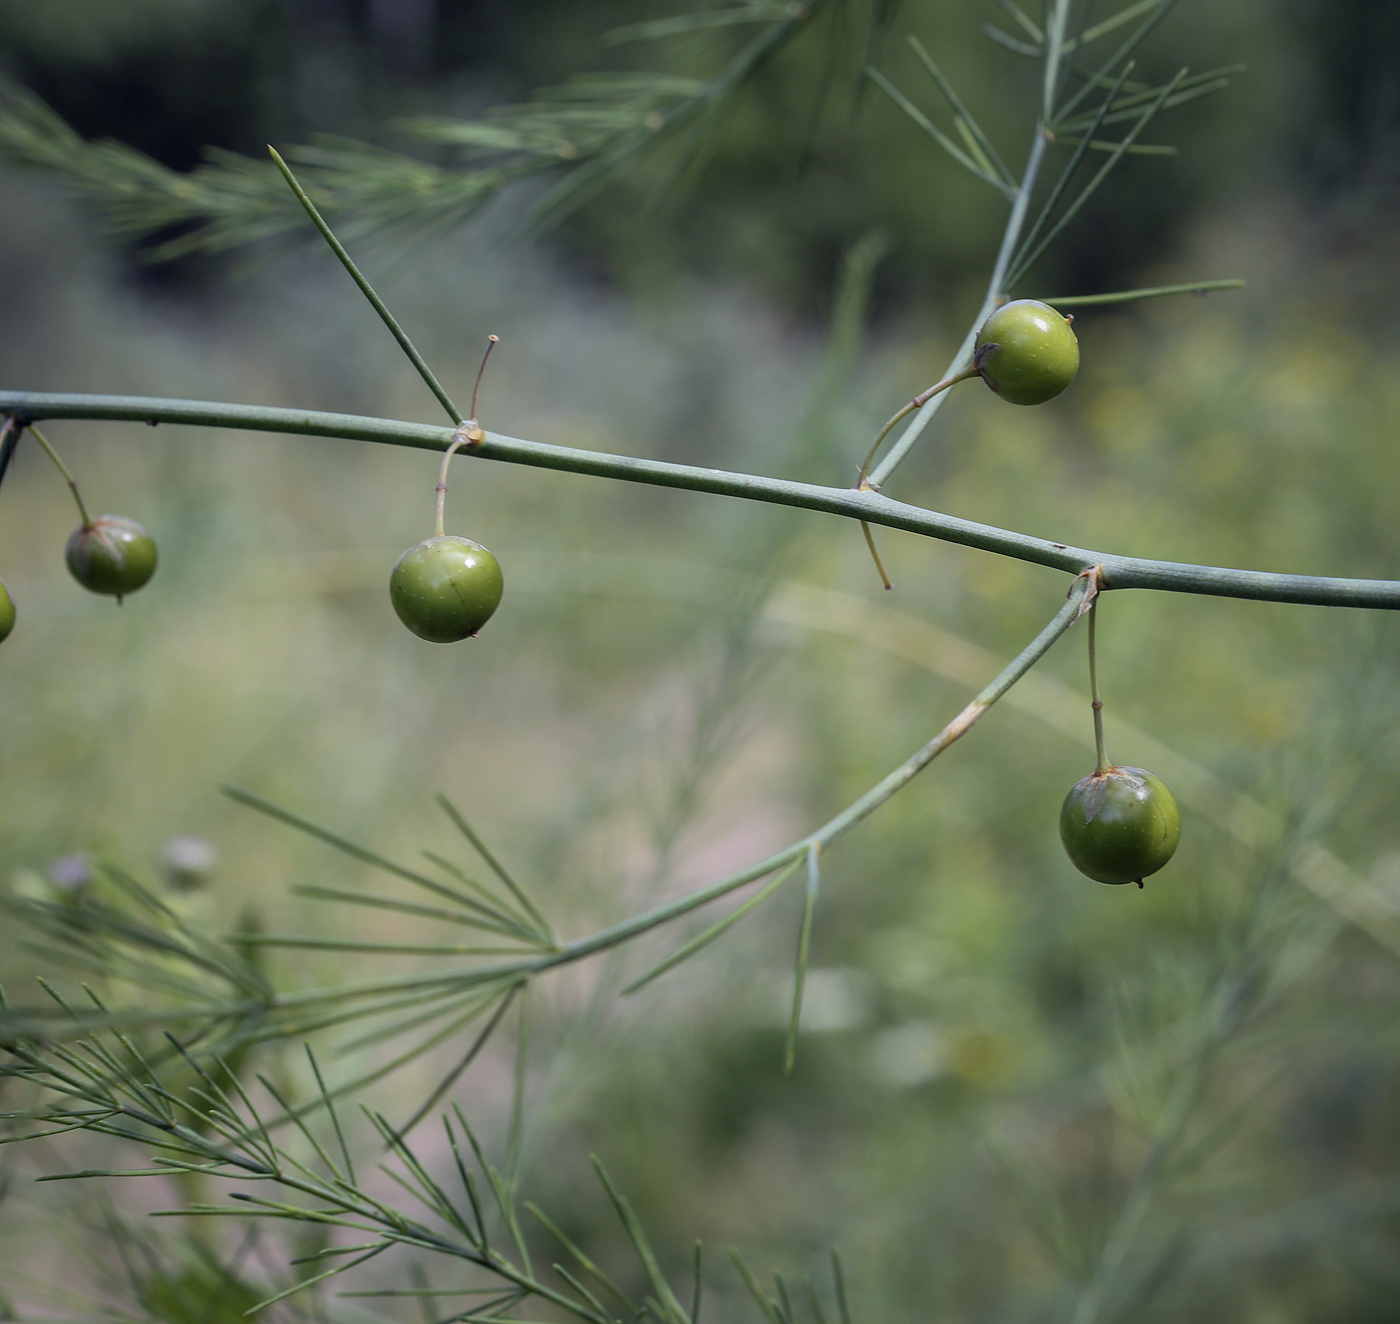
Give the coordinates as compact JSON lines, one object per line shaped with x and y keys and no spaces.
{"x":1117,"y":571}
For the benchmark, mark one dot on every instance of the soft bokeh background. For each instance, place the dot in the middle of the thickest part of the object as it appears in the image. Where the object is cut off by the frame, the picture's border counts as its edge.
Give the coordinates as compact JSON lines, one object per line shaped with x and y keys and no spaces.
{"x":677,"y":684}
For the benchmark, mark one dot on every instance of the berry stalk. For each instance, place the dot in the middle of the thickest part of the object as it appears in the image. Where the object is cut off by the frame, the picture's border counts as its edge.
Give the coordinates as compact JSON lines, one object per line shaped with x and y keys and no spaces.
{"x":63,"y":469}
{"x":1104,"y":764}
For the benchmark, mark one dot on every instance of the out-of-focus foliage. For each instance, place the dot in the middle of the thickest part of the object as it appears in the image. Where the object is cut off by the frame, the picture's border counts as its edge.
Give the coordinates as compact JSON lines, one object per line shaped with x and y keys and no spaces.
{"x":783,"y":187}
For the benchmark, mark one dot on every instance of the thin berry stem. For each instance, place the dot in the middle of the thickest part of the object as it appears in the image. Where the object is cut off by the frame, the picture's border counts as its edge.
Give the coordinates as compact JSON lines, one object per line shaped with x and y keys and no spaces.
{"x":63,"y":469}
{"x":994,"y":298}
{"x":447,"y":455}
{"x":918,"y":402}
{"x":491,"y":343}
{"x":468,"y":433}
{"x":874,"y":555}
{"x":1104,"y":764}
{"x":862,"y":485}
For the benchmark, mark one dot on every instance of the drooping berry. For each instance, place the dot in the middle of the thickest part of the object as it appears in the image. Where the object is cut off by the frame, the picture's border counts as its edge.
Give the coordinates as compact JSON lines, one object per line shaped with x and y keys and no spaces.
{"x":446,"y":588}
{"x":111,"y":555}
{"x":1120,"y":825}
{"x":7,"y":612}
{"x":1027,"y":352}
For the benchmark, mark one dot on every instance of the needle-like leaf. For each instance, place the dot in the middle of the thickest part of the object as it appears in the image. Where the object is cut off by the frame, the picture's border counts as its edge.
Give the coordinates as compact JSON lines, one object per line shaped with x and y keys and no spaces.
{"x":937,"y":134}
{"x":1157,"y":12}
{"x":1152,"y":292}
{"x":467,"y":1058}
{"x":764,"y":1302}
{"x":466,"y":829}
{"x":672,"y":1313}
{"x":994,"y":33}
{"x":804,"y":939}
{"x":1031,"y":29}
{"x":363,"y":854}
{"x":994,"y":163}
{"x":657,"y":29}
{"x":707,"y":936}
{"x":1024,"y":263}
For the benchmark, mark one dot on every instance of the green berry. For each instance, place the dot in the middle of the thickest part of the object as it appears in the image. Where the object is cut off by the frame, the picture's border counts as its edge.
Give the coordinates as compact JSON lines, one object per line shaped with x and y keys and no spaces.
{"x":112,"y":555}
{"x":7,"y":612}
{"x":446,"y":588}
{"x":1120,"y":825}
{"x":1027,"y":352}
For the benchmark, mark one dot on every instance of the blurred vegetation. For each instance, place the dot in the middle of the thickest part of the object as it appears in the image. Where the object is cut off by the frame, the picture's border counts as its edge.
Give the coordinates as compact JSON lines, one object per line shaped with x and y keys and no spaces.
{"x":790,"y":184}
{"x":996,"y":1050}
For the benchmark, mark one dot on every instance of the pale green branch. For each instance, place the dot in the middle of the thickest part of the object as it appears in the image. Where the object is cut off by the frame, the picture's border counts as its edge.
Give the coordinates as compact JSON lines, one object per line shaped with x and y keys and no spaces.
{"x":1119,"y":572}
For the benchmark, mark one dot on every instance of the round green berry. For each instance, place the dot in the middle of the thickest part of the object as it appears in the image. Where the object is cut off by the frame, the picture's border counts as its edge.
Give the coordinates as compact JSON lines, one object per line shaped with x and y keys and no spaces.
{"x":7,"y":612}
{"x":1027,"y":352}
{"x":1120,"y":825}
{"x":446,"y":588}
{"x":111,"y":555}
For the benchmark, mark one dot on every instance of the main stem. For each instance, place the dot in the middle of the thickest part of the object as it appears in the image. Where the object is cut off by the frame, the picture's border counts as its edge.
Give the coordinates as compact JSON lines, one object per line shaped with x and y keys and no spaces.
{"x":1115,"y":571}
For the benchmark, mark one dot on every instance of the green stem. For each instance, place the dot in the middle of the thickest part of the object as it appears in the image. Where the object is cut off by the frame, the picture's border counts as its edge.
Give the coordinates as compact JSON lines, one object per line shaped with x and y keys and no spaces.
{"x":425,"y":372}
{"x":1015,"y":224}
{"x":994,"y":296}
{"x":917,"y":402}
{"x":908,"y":770}
{"x":1094,"y":689}
{"x":440,"y":508}
{"x":1153,"y":292}
{"x":831,"y":831}
{"x":63,"y":469}
{"x":1054,"y":54}
{"x":1115,"y":571}
{"x":885,"y":789}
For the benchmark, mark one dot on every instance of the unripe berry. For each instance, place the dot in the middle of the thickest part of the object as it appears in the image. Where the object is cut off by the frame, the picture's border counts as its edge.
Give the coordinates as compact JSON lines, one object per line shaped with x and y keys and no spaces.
{"x":1027,"y":352}
{"x":1120,"y":825}
{"x":112,"y":555}
{"x":446,"y":588}
{"x":7,"y":612}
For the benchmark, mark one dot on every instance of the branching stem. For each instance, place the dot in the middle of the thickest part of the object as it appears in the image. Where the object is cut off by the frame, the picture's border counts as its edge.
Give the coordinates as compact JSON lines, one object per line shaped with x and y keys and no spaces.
{"x":962,"y":723}
{"x":450,"y":983}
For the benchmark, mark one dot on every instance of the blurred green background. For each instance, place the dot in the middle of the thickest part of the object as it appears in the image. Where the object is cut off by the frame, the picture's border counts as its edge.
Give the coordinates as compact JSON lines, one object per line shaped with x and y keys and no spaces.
{"x":677,"y":684}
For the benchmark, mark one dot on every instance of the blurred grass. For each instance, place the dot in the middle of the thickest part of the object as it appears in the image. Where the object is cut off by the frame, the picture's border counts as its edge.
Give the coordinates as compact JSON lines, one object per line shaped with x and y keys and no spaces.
{"x":632,"y":720}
